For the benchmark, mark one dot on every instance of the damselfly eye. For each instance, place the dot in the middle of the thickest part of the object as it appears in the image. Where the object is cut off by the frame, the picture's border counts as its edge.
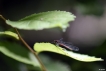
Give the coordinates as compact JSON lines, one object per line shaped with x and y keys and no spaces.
{"x":56,"y":41}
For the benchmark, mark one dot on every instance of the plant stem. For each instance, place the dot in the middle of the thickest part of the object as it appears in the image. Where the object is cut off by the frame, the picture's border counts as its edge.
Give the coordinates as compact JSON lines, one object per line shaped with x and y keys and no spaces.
{"x":42,"y":66}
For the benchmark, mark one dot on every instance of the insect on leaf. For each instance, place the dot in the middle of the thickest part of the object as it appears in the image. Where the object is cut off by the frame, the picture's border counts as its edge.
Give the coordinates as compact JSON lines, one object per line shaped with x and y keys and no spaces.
{"x":40,"y":47}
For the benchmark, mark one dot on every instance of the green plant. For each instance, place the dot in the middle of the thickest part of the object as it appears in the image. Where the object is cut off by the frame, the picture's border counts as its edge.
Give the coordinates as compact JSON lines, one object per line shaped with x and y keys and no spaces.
{"x":39,"y":21}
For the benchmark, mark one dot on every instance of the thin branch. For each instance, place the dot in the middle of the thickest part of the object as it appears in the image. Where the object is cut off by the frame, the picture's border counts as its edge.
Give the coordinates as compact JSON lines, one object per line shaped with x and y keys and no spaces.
{"x":42,"y":66}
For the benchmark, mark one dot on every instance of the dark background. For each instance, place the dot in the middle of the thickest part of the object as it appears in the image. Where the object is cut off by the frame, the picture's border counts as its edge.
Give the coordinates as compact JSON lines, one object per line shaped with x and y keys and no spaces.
{"x":87,"y":32}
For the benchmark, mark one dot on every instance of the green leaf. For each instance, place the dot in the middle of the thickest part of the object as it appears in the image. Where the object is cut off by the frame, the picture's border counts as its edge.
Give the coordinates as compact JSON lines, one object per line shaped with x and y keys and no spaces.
{"x":44,"y":20}
{"x":40,"y":47}
{"x":82,"y":57}
{"x":10,"y":34}
{"x":17,"y":52}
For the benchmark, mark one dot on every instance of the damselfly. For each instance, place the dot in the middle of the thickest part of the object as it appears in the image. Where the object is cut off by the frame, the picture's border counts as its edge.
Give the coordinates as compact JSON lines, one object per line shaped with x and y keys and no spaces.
{"x":66,"y":45}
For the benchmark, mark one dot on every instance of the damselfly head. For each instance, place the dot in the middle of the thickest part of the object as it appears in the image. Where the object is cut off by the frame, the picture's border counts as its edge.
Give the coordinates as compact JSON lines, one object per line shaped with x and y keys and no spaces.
{"x":56,"y":41}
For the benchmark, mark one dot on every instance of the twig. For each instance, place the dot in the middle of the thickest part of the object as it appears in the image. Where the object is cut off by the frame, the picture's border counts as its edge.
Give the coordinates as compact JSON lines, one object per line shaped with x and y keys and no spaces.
{"x":42,"y":66}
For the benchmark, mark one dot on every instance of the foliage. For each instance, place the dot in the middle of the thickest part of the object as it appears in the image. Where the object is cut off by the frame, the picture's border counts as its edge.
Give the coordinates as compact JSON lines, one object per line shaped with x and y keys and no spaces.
{"x":40,"y":21}
{"x":46,"y":20}
{"x":39,"y":47}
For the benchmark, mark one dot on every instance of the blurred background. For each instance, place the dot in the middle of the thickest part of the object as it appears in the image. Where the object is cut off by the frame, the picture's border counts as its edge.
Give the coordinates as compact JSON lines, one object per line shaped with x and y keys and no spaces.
{"x":87,"y":32}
